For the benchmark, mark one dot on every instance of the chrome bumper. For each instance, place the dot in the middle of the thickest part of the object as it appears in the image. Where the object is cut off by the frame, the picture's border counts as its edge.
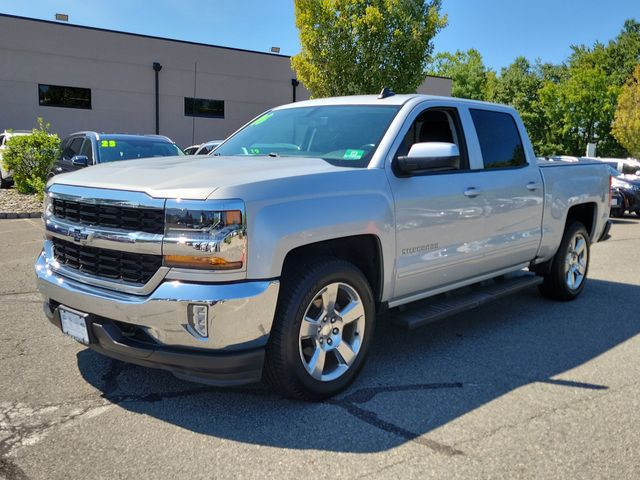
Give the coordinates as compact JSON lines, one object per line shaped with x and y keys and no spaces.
{"x":240,"y":314}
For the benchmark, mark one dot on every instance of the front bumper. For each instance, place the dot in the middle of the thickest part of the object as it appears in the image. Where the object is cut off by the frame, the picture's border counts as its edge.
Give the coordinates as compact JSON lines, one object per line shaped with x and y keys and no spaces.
{"x":154,"y":331}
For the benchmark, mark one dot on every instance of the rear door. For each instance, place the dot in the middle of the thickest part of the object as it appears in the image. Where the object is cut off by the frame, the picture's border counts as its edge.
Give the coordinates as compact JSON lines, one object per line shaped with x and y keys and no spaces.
{"x":511,"y":187}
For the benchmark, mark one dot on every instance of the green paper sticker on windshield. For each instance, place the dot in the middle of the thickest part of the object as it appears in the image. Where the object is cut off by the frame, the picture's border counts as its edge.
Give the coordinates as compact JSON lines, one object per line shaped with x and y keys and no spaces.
{"x":254,"y":151}
{"x":262,"y":119}
{"x":353,"y":154}
{"x":108,"y":143}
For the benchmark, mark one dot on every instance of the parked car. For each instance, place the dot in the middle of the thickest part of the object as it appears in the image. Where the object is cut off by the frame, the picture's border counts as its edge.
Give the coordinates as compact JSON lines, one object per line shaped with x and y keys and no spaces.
{"x":627,"y":186}
{"x":619,"y":203}
{"x":192,"y":149}
{"x":84,"y":149}
{"x":203,"y":148}
{"x":207,"y":147}
{"x":626,"y":166}
{"x":5,"y":173}
{"x":276,"y":256}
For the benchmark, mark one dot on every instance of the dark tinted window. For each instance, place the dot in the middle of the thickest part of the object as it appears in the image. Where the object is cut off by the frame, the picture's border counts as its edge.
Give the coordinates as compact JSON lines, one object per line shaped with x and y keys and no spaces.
{"x":87,"y":150}
{"x":499,"y":139}
{"x":69,"y":97}
{"x":72,"y":148}
{"x":202,"y":107}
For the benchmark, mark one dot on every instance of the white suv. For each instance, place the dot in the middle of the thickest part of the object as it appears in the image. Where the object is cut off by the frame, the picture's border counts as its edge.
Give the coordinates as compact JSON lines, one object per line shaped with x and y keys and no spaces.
{"x":5,"y":173}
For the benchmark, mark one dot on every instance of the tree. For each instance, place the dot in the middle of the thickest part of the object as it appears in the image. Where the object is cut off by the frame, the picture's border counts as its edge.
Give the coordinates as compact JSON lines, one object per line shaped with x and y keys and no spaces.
{"x":518,"y":85}
{"x":31,"y":158}
{"x":623,"y":53}
{"x":626,"y":126}
{"x":467,"y":71}
{"x":579,"y":110}
{"x":359,"y":46}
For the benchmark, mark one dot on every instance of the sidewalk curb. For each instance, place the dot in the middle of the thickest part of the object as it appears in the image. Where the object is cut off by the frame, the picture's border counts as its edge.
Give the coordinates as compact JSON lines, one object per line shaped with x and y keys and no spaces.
{"x":12,"y":215}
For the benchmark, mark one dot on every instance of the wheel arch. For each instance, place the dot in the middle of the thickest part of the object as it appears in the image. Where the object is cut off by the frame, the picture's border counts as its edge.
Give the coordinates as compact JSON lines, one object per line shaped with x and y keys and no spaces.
{"x":364,"y":251}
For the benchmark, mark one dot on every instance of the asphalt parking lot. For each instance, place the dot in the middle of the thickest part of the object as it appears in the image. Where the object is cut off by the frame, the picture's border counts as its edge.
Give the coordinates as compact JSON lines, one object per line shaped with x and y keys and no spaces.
{"x":521,"y":388}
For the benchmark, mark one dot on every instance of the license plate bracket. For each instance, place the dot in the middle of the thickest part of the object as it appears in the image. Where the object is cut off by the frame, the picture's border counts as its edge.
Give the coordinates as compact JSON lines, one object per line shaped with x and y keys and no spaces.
{"x":74,"y":324}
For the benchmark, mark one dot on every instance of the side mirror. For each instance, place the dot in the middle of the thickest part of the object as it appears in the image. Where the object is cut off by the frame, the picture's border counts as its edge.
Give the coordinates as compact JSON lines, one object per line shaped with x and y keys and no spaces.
{"x":429,"y":157}
{"x":80,"y":161}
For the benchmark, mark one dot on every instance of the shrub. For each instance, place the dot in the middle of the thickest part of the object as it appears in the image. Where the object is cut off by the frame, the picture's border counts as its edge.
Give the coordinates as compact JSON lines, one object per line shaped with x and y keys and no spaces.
{"x":31,"y":157}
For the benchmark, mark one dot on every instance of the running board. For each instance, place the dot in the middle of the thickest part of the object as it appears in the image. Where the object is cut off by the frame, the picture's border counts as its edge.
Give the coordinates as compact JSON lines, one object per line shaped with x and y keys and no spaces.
{"x":436,"y":308}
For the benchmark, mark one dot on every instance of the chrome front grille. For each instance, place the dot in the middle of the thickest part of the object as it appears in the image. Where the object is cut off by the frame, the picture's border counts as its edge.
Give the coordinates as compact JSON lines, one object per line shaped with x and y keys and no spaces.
{"x":109,"y":264}
{"x":148,"y":220}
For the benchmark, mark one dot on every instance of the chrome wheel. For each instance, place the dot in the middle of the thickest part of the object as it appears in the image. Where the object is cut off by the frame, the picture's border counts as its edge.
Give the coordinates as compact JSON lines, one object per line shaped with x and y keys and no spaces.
{"x":331,"y":332}
{"x":576,"y":261}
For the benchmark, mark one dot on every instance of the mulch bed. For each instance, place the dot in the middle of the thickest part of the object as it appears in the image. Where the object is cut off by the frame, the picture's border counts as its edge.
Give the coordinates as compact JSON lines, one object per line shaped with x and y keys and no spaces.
{"x":17,"y":205}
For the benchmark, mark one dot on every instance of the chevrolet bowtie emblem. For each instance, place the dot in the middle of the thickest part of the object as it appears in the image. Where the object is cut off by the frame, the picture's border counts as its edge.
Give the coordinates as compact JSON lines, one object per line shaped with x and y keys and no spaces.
{"x":78,"y":235}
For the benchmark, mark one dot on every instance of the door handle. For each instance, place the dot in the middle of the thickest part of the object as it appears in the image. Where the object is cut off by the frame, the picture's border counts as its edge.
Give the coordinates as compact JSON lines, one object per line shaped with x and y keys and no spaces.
{"x":58,"y":169}
{"x":472,"y":192}
{"x":532,"y":186}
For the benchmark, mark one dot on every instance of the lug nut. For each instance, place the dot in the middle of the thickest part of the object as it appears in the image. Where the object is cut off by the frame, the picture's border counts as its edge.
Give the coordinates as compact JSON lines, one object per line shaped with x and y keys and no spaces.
{"x":324,"y":319}
{"x":321,"y":340}
{"x":333,"y":320}
{"x":329,"y":341}
{"x":335,"y":331}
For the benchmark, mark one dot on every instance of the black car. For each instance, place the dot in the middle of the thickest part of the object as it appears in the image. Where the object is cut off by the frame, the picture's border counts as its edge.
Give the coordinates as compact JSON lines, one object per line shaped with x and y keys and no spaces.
{"x":83,"y":149}
{"x":628,"y":187}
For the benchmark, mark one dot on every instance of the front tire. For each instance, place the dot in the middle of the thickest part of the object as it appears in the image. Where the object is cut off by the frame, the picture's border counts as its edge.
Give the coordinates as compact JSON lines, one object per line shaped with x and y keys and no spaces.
{"x":321,"y":332}
{"x":570,"y":265}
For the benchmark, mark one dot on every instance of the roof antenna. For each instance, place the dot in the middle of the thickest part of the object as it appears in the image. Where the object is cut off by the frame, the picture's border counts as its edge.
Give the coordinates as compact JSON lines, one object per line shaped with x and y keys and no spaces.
{"x":386,"y":92}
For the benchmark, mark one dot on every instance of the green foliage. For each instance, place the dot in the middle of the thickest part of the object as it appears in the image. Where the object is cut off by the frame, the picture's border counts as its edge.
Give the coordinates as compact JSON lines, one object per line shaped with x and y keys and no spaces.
{"x":358,"y":46}
{"x":518,"y":86}
{"x":466,"y":70}
{"x":580,"y":110}
{"x":626,"y":126}
{"x":31,"y":158}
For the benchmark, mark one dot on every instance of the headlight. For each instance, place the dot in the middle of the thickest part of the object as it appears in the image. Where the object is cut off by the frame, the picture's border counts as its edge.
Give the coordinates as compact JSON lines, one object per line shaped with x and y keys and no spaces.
{"x":207,"y":235}
{"x":47,"y":206}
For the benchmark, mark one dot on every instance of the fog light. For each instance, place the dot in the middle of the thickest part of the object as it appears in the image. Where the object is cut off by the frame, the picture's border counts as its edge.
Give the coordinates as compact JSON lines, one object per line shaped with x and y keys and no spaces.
{"x":198,"y":315}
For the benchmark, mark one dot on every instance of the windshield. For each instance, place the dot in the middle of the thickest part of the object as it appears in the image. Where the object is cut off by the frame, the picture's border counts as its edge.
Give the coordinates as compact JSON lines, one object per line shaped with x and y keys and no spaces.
{"x":344,"y":135}
{"x":114,"y":149}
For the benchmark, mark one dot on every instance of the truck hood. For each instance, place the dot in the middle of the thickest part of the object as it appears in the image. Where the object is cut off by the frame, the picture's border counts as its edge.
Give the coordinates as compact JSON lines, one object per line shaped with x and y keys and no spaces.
{"x":191,"y":177}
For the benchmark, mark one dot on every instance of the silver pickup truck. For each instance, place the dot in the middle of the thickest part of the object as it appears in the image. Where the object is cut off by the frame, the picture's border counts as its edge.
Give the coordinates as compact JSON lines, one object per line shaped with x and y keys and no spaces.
{"x":276,"y":257}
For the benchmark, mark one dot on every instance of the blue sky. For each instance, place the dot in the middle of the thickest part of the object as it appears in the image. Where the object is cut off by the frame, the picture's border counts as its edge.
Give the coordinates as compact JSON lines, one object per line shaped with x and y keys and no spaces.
{"x":500,"y":29}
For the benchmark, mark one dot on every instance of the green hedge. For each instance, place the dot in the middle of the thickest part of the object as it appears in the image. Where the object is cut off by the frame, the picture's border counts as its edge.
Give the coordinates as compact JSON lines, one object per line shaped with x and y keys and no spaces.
{"x":31,"y":157}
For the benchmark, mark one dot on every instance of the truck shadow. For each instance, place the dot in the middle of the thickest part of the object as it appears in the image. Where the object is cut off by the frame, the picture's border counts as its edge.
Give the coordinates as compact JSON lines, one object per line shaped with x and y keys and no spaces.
{"x":413,"y":383}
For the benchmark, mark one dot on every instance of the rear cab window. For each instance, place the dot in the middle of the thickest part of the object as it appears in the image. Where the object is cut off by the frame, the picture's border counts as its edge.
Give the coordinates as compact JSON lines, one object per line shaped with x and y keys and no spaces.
{"x":499,"y":139}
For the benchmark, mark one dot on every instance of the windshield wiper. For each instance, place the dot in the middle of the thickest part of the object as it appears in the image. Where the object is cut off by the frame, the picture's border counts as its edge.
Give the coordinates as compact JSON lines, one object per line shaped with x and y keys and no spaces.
{"x":274,"y":154}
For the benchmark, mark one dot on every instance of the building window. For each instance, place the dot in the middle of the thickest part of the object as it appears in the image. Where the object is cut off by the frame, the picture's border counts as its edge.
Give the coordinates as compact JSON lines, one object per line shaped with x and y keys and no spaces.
{"x":203,"y":107}
{"x":67,"y":97}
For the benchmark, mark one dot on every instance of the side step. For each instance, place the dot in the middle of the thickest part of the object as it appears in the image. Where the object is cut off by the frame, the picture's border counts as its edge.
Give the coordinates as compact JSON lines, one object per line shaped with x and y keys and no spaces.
{"x":436,"y":308}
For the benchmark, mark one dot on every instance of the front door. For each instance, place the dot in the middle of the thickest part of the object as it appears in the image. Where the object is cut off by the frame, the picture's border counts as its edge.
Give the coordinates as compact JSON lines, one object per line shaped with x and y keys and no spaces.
{"x":440,"y":232}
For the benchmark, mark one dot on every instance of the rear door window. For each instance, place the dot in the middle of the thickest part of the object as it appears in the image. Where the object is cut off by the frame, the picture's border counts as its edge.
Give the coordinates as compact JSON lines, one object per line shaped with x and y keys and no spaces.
{"x":499,"y":139}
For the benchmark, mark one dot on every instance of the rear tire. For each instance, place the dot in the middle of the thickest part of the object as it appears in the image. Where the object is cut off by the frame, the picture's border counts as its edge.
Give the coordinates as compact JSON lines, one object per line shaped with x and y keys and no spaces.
{"x":616,"y":213}
{"x":4,"y":183}
{"x":321,"y":332}
{"x":570,"y":265}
